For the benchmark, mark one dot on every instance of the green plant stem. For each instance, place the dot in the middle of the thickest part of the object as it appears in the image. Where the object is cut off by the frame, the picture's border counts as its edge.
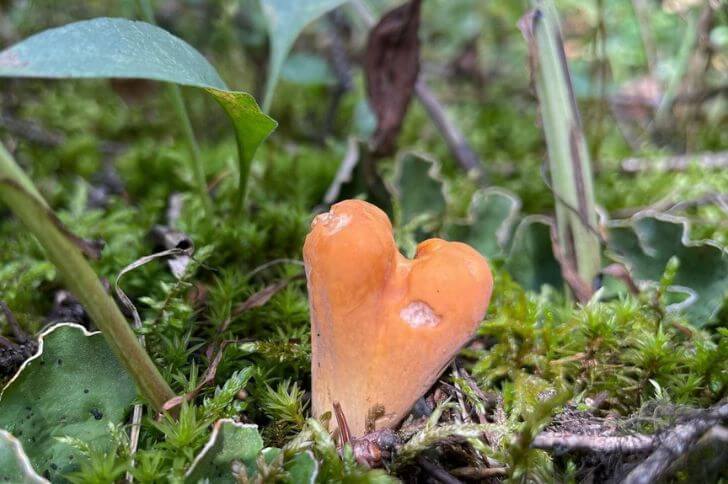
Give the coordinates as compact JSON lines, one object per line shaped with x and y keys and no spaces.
{"x":24,"y":200}
{"x":567,"y":151}
{"x":180,"y":110}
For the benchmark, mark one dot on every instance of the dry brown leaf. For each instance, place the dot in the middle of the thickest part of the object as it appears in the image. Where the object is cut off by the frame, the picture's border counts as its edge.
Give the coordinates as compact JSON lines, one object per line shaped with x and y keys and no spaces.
{"x":391,"y":65}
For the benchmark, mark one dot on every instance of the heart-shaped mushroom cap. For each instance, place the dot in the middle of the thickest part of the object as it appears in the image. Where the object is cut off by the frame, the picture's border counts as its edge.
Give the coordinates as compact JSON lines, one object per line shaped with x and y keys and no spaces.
{"x":384,"y":327}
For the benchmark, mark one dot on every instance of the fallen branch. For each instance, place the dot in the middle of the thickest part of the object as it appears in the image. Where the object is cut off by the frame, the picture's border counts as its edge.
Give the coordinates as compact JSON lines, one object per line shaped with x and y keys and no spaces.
{"x":456,"y":142}
{"x":562,"y":443}
{"x":437,"y":472}
{"x":674,"y":443}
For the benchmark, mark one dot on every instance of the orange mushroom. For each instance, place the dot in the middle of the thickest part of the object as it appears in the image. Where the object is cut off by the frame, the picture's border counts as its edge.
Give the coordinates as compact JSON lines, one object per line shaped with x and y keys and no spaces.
{"x":383,"y":327}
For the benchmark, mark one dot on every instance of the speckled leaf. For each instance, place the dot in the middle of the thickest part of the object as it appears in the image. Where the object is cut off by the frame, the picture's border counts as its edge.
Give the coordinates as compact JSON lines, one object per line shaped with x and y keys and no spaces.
{"x":286,"y":19}
{"x":73,"y":386}
{"x":419,"y":189}
{"x":531,"y":259}
{"x":492,"y":213}
{"x":646,"y":242}
{"x":120,"y":48}
{"x":229,"y":442}
{"x":14,"y":463}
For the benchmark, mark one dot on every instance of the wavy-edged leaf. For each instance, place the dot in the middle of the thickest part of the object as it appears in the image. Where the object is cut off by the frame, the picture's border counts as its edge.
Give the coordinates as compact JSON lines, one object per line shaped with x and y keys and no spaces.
{"x":229,"y":442}
{"x":73,"y":387}
{"x":14,"y":463}
{"x":121,"y":48}
{"x":647,"y":241}
{"x":531,"y":260}
{"x":286,"y":20}
{"x":492,"y":213}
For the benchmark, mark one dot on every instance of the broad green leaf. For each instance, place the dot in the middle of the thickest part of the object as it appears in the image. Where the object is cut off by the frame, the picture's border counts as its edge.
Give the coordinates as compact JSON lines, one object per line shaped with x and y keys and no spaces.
{"x":491,"y":215}
{"x":229,"y":442}
{"x":14,"y":463}
{"x":73,"y":387}
{"x":286,"y":19}
{"x":120,"y":48}
{"x":419,"y":189}
{"x":303,"y":468}
{"x":645,"y":244}
{"x":531,"y":260}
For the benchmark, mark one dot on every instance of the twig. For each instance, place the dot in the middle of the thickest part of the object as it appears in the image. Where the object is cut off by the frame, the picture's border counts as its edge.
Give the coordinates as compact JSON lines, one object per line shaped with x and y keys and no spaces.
{"x":669,"y":205}
{"x":19,"y":334}
{"x":479,"y":472}
{"x":454,"y":138}
{"x":674,"y":444}
{"x":564,"y":442}
{"x":461,"y":401}
{"x":136,"y":426}
{"x":707,"y":161}
{"x":437,"y":472}
{"x":705,"y":460}
{"x":461,"y":150}
{"x":345,"y":171}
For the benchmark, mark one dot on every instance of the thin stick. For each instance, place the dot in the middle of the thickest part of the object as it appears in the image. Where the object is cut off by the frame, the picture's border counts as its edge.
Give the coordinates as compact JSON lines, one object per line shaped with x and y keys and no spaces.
{"x":180,"y":109}
{"x":437,"y":472}
{"x":673,"y":444}
{"x":562,"y":442}
{"x":707,"y":161}
{"x":459,"y":147}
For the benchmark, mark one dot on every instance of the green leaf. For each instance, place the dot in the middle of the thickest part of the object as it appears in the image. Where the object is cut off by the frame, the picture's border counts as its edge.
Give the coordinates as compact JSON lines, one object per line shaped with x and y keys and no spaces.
{"x":531,"y":259}
{"x":14,"y":463}
{"x":286,"y":19}
{"x":419,"y":188}
{"x":120,"y":48}
{"x":303,"y":468}
{"x":230,"y":441}
{"x":646,"y":243}
{"x":74,"y":387}
{"x":491,"y":216}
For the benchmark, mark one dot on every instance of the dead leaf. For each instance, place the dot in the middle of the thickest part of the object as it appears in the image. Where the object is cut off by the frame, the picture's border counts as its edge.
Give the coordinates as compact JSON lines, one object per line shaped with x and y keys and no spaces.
{"x":207,"y":378}
{"x":258,"y":299}
{"x":263,"y":296}
{"x":169,"y":239}
{"x":391,"y":65}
